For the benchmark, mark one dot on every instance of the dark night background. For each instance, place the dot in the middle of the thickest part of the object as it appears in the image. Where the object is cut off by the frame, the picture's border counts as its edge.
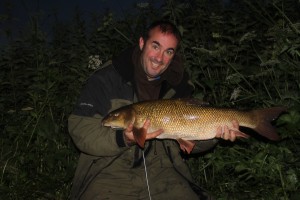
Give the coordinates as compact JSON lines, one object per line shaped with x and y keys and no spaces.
{"x":61,"y":10}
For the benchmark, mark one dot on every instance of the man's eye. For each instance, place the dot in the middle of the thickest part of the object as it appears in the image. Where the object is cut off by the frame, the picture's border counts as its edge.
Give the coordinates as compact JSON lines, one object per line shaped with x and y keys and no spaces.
{"x":170,"y":52}
{"x":155,"y":47}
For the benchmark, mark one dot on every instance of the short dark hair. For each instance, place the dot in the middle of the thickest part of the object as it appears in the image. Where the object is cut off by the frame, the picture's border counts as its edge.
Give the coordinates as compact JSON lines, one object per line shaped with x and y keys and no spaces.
{"x":165,"y":27}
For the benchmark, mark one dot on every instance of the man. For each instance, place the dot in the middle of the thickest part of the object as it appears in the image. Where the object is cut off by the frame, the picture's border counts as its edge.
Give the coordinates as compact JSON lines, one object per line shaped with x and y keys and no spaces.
{"x":111,"y":165}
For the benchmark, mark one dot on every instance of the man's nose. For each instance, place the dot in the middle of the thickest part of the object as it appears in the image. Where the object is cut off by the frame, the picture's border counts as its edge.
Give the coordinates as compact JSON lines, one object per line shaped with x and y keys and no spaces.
{"x":159,"y":56}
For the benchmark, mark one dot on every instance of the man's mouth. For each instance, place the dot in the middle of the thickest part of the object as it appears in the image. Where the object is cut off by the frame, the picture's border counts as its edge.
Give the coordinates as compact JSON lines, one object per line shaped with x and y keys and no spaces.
{"x":155,"y":64}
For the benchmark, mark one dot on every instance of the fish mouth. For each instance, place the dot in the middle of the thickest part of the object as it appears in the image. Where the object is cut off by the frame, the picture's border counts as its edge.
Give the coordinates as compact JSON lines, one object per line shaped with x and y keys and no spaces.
{"x":111,"y":126}
{"x":116,"y":127}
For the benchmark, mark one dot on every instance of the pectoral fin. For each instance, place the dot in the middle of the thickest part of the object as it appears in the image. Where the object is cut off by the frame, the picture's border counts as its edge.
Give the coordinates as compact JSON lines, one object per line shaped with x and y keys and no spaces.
{"x":186,"y":145}
{"x":140,"y":136}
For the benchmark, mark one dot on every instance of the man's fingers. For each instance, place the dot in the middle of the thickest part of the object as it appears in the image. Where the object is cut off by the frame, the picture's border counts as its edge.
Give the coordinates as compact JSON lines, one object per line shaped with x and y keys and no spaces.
{"x":219,"y":132}
{"x":232,"y":135}
{"x":146,"y":124}
{"x":235,"y":124}
{"x":226,"y":134}
{"x":129,"y":128}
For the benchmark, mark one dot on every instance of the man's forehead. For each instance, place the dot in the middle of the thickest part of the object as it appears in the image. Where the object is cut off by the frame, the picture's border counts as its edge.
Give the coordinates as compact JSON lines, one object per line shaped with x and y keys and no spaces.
{"x":165,"y":39}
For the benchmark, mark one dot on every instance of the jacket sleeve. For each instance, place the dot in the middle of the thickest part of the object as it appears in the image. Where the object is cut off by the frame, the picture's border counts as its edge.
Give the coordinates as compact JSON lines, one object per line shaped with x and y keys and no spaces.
{"x":92,"y":138}
{"x":204,"y":145}
{"x":104,"y":91}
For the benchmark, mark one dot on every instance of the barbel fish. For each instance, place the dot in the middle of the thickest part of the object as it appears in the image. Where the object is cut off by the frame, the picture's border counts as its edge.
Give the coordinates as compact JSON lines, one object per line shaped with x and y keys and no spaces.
{"x":187,"y":120}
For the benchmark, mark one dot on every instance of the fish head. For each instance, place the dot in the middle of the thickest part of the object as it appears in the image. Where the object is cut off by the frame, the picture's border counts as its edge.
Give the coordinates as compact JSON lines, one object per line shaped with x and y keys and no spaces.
{"x":119,"y":119}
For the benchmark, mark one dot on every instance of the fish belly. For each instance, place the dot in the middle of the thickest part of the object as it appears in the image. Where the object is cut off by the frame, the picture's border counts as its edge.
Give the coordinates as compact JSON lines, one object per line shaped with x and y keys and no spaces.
{"x":193,"y":132}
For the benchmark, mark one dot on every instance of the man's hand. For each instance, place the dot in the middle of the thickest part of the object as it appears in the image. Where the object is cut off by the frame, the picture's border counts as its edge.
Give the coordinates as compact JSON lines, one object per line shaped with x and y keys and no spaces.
{"x":129,"y":136}
{"x":231,"y":134}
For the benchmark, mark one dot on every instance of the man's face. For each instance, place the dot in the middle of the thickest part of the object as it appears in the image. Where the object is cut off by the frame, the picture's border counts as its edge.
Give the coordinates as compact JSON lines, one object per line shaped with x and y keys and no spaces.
{"x":157,"y":52}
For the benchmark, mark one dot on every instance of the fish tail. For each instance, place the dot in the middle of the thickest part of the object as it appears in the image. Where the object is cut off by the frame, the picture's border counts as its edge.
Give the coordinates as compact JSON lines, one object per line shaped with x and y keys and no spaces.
{"x":264,"y":119}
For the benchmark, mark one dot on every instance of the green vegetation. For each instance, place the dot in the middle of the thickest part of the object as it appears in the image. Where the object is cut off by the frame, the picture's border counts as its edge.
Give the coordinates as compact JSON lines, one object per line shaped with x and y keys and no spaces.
{"x":243,"y":55}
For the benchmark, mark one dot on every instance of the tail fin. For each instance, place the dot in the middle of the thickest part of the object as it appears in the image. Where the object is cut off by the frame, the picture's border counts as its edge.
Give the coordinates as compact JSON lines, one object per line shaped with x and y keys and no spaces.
{"x":265,"y":117}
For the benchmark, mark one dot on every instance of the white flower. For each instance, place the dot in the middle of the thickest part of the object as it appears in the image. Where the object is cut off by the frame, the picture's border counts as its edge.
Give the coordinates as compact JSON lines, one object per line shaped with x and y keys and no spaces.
{"x":94,"y":62}
{"x":235,"y":94}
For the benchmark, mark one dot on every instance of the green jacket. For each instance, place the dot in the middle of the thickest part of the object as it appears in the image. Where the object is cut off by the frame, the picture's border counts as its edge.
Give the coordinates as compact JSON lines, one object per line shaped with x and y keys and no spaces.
{"x":109,"y":88}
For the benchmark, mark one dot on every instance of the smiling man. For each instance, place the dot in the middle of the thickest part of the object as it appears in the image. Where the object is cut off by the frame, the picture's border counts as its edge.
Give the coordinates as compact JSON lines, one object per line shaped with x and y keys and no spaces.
{"x":157,"y":53}
{"x":111,"y":164}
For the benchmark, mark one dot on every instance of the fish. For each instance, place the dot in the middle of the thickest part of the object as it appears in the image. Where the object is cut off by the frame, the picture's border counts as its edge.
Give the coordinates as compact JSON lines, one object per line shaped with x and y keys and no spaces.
{"x":188,"y":120}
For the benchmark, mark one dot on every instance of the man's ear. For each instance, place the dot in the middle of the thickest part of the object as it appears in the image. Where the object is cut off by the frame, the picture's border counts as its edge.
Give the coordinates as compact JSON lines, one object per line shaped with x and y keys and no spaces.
{"x":141,"y":43}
